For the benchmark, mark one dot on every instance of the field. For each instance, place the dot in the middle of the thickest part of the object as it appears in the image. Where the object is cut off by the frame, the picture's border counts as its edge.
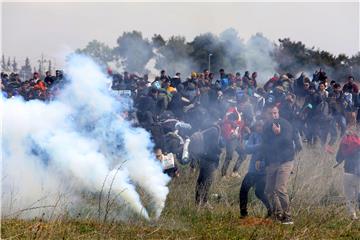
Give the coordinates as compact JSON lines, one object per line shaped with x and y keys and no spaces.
{"x":316,"y":199}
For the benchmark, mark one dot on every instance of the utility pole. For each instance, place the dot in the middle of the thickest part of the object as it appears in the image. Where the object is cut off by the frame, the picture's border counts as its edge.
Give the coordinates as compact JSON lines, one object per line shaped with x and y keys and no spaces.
{"x":41,"y":64}
{"x":209,"y":61}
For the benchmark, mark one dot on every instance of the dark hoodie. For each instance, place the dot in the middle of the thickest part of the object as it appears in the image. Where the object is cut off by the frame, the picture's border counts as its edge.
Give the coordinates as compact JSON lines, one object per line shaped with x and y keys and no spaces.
{"x":278,"y":148}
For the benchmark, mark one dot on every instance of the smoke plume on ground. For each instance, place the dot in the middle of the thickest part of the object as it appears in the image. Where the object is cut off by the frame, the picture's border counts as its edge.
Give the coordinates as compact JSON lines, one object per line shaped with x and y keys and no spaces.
{"x":77,"y":144}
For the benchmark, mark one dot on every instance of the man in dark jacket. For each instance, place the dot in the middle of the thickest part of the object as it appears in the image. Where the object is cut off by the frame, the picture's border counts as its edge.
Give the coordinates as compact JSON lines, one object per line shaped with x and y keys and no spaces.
{"x":337,"y":108}
{"x":279,"y":152}
{"x":48,"y":78}
{"x":308,"y":110}
{"x":204,"y":146}
{"x":351,"y":91}
{"x":178,"y":101}
{"x":350,"y":86}
{"x":147,"y":108}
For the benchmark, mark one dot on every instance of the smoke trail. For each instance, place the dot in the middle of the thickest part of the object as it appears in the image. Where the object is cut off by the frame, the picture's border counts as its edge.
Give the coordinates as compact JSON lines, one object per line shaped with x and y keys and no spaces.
{"x":74,"y":144}
{"x":259,"y":56}
{"x":150,"y":66}
{"x":174,"y":56}
{"x":233,"y":54}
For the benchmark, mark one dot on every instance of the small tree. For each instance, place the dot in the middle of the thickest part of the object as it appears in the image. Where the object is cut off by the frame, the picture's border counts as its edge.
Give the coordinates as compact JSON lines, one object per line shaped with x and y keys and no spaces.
{"x":175,"y":56}
{"x":25,"y":71}
{"x":205,"y":44}
{"x":158,"y":41}
{"x":14,"y":65}
{"x":136,"y":50}
{"x":3,"y":63}
{"x":40,"y":68}
{"x":99,"y":52}
{"x":8,"y":64}
{"x":49,"y":67}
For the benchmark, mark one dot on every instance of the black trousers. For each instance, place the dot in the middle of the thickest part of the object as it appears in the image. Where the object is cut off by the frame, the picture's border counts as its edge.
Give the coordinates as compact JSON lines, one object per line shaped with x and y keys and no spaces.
{"x":253,"y":180}
{"x":204,"y":181}
{"x":171,"y":172}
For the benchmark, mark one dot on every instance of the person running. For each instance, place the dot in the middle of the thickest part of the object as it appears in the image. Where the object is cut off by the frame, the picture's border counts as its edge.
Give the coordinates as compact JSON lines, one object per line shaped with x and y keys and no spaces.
{"x":349,"y":152}
{"x":255,"y":176}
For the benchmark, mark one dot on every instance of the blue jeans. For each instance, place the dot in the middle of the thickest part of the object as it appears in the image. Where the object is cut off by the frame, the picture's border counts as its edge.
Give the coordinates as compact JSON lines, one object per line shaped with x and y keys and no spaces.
{"x":204,"y":181}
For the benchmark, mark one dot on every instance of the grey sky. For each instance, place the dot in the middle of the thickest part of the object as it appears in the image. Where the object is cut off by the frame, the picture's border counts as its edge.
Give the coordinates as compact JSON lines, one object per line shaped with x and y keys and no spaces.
{"x":29,"y":29}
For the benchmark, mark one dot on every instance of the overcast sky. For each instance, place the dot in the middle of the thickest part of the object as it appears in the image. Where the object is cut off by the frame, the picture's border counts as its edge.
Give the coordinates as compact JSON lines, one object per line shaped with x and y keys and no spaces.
{"x":54,"y":29}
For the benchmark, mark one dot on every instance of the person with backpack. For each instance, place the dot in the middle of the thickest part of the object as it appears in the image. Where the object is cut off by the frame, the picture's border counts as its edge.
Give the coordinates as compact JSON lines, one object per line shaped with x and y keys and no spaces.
{"x":337,"y":108}
{"x":350,"y":108}
{"x":321,"y":121}
{"x":299,"y":86}
{"x":205,"y":147}
{"x":255,"y":176}
{"x":349,"y":153}
{"x":147,"y":108}
{"x":350,"y":86}
{"x":224,"y":80}
{"x":352,"y":97}
{"x":309,"y":113}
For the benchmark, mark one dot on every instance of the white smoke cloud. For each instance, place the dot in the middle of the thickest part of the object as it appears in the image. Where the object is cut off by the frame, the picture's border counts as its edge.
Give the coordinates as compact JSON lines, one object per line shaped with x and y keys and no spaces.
{"x":150,"y":66}
{"x":259,"y":57}
{"x":74,"y":144}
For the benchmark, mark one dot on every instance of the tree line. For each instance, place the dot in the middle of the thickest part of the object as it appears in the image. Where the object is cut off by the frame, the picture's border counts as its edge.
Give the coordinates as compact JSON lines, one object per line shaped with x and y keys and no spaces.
{"x":227,"y":50}
{"x":25,"y":71}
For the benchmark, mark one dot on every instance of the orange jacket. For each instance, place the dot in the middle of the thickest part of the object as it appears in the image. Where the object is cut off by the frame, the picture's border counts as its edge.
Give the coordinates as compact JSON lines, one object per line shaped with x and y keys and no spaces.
{"x":40,"y":85}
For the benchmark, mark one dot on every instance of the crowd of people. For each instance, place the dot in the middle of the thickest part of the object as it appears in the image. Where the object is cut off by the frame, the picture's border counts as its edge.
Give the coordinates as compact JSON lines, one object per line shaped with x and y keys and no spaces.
{"x":191,"y":120}
{"x":35,"y":88}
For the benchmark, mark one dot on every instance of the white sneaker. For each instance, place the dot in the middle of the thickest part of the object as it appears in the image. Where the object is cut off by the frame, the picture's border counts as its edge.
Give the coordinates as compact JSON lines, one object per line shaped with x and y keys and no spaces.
{"x":235,"y":175}
{"x":354,"y":217}
{"x":206,"y":206}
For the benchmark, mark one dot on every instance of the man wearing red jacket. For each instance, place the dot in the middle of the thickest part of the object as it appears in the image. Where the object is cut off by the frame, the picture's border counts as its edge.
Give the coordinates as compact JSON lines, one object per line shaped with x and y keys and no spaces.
{"x":349,"y":152}
{"x":231,"y":133}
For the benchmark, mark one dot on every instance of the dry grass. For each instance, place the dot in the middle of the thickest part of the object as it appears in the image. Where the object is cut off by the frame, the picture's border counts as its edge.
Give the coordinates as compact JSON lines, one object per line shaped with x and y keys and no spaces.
{"x":315,"y":189}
